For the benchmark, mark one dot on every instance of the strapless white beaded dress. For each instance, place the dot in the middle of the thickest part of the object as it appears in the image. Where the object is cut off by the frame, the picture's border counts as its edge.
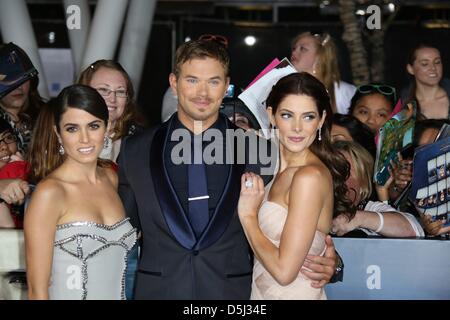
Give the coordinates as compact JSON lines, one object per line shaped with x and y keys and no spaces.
{"x":90,"y":259}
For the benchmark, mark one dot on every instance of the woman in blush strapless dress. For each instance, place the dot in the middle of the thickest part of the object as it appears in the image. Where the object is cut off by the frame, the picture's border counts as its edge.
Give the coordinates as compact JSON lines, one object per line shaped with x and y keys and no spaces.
{"x":292,"y":219}
{"x":272,"y":218}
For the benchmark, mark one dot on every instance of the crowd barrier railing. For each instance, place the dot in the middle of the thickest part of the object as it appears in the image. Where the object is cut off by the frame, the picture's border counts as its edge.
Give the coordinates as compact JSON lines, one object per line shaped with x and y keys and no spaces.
{"x":378,"y":269}
{"x":374,"y":268}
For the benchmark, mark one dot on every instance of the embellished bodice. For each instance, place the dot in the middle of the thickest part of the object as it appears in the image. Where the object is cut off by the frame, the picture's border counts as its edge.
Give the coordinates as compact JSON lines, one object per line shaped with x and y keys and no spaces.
{"x":90,"y":259}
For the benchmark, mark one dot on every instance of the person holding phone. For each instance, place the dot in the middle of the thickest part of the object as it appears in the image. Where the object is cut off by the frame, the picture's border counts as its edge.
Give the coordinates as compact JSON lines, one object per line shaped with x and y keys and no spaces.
{"x":425,"y":132}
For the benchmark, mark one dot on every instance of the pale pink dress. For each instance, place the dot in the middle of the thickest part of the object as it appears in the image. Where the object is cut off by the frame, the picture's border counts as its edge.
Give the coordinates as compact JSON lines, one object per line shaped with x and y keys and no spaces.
{"x":272,"y":217}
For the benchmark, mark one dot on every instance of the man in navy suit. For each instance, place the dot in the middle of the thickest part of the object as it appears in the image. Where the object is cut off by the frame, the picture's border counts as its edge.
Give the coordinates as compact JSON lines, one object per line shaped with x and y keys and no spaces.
{"x":193,"y":246}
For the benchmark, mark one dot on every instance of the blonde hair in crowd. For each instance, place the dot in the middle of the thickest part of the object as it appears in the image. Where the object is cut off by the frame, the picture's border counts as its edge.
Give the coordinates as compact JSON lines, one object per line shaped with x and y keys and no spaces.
{"x":362,"y":165}
{"x":326,"y":69}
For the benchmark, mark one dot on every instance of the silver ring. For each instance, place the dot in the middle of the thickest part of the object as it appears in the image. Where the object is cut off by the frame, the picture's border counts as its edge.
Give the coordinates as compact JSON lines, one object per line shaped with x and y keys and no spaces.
{"x":248,"y":183}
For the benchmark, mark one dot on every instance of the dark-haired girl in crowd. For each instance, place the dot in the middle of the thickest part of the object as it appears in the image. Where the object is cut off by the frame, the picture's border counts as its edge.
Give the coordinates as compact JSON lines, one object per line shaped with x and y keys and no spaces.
{"x":75,"y":223}
{"x":373,"y":104}
{"x":428,"y":88}
{"x":12,"y":166}
{"x":293,"y":219}
{"x":348,"y":128}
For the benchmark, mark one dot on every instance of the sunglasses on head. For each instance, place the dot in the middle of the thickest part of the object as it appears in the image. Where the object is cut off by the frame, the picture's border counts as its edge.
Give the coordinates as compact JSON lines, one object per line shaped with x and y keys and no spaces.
{"x":384,"y":89}
{"x":323,"y":38}
{"x":215,"y":37}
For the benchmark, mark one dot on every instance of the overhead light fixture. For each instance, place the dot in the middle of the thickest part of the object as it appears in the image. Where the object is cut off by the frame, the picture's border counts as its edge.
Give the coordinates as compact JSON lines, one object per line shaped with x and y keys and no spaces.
{"x":187,"y":39}
{"x":360,"y":12}
{"x":250,"y":40}
{"x":324,"y":3}
{"x":391,"y":7}
{"x":51,"y":37}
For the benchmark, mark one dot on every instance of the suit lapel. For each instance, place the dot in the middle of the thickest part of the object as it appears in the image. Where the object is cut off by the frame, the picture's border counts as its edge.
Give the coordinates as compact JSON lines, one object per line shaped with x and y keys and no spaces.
{"x":168,"y":201}
{"x":226,"y":206}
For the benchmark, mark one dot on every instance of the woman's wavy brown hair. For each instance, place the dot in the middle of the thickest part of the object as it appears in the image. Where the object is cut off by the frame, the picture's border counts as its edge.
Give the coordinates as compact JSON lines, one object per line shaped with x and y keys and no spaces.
{"x":131,"y":114}
{"x":43,"y":153}
{"x":305,"y":84}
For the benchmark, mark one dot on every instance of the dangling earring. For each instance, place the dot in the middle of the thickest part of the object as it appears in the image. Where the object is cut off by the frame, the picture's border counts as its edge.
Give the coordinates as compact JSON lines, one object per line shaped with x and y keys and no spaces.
{"x":105,"y":142}
{"x":61,"y":149}
{"x":320,"y":134}
{"x":314,"y":71}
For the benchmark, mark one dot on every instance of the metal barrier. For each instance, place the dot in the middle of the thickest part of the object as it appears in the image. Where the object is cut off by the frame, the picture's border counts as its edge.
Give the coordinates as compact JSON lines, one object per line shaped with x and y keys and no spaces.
{"x":374,"y":268}
{"x":392,"y":269}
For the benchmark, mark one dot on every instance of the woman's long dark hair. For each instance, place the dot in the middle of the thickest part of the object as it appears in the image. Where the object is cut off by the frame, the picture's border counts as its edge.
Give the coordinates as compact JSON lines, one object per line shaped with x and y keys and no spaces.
{"x":422,"y":125}
{"x":43,"y":154}
{"x":306,"y":84}
{"x":359,"y":131}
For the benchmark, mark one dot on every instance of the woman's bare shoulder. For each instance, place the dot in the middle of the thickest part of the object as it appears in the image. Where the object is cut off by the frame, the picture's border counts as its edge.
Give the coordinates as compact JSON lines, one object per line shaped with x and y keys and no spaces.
{"x":49,"y":187}
{"x":110,"y":174}
{"x":48,"y":202}
{"x":315,"y":173}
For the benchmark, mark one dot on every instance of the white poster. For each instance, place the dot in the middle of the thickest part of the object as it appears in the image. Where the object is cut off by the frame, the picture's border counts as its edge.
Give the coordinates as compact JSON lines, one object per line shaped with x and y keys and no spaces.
{"x":256,"y":94}
{"x":58,"y":67}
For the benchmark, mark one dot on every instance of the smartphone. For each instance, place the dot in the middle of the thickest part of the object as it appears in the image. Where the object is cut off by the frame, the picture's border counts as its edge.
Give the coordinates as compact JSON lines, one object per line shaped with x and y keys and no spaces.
{"x":230,"y":91}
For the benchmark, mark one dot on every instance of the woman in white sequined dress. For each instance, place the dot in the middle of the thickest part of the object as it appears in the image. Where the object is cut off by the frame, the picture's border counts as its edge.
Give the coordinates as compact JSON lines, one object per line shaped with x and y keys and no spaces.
{"x":76,"y":234}
{"x":291,"y":221}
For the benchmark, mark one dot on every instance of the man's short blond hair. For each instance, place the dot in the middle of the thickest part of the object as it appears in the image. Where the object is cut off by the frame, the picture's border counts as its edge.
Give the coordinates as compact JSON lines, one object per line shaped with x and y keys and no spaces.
{"x":201,"y":49}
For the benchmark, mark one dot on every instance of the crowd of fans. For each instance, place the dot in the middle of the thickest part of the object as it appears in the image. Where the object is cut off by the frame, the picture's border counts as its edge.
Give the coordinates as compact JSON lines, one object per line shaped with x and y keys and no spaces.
{"x":31,"y":147}
{"x":359,"y":113}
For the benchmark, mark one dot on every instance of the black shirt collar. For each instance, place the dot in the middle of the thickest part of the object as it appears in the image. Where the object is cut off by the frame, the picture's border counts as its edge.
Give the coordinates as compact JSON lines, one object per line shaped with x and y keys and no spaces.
{"x":219,"y":124}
